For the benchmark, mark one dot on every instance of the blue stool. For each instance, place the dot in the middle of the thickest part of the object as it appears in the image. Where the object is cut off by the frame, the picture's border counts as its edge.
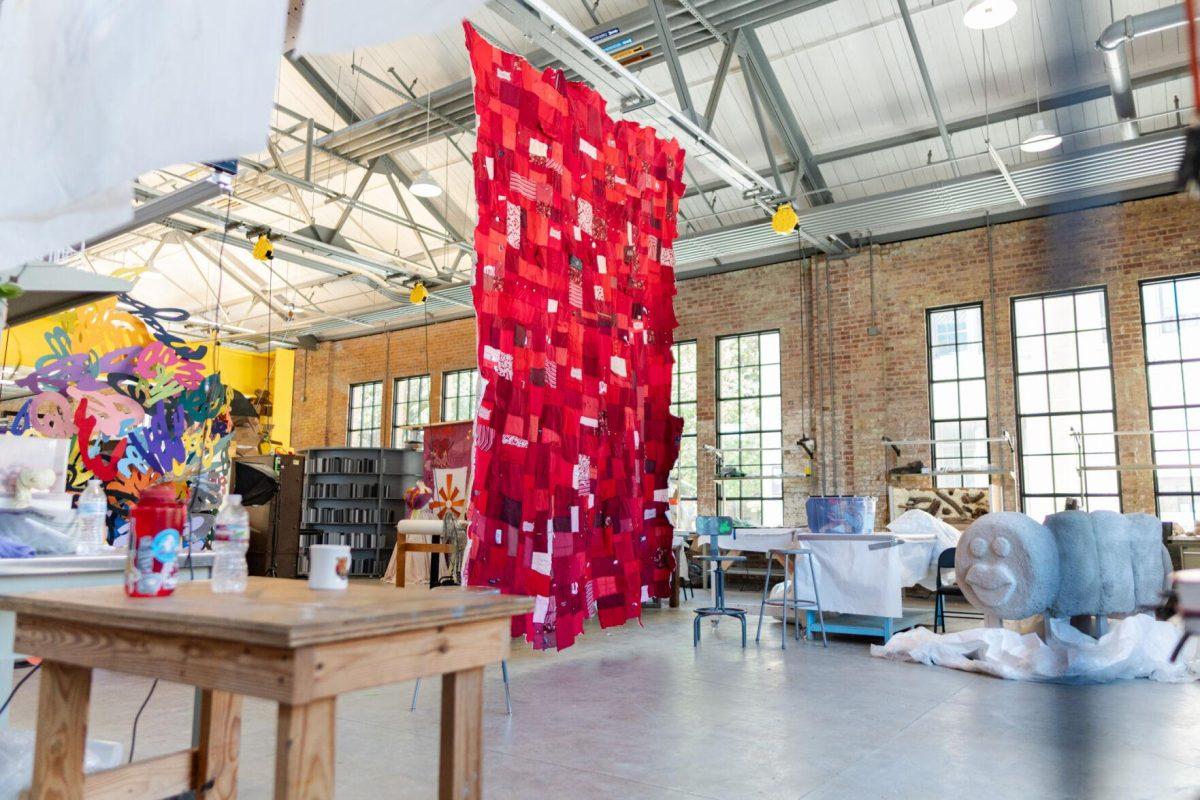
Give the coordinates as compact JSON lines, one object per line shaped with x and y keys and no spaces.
{"x":714,"y":528}
{"x":793,"y":557}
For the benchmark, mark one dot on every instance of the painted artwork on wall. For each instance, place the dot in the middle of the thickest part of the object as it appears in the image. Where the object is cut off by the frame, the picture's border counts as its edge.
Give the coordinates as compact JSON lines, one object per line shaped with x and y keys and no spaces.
{"x":574,"y":291}
{"x":137,"y":405}
{"x":447,"y":462}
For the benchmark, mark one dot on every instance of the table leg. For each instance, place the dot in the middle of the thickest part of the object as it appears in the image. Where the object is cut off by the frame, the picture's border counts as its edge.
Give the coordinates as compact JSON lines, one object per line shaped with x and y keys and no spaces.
{"x":61,"y":731}
{"x":462,"y":735}
{"x":215,"y":775}
{"x":8,"y":659}
{"x":304,"y":751}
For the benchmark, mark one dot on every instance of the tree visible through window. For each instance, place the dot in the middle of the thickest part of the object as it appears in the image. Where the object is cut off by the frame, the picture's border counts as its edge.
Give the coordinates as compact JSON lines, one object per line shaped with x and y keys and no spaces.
{"x":1171,"y":316}
{"x":1065,"y":384}
{"x":683,"y":404}
{"x":750,"y":426}
{"x":958,"y":394}
{"x":366,"y":411}
{"x":458,"y":394}
{"x":410,"y":406}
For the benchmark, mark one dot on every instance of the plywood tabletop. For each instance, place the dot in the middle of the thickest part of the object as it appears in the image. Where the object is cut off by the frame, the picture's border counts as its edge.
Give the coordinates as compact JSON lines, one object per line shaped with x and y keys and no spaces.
{"x":273,"y":611}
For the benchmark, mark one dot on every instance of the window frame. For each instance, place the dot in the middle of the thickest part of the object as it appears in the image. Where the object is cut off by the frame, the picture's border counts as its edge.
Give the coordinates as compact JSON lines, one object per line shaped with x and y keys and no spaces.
{"x":1150,"y":407}
{"x":350,"y":429}
{"x":987,"y":411}
{"x":676,"y":407}
{"x":397,"y":430}
{"x":474,"y":373}
{"x":722,"y":495}
{"x":1083,"y":495}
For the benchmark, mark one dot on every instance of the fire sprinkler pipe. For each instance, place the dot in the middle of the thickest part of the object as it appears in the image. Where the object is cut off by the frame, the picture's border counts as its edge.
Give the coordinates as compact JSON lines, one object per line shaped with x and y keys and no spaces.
{"x":1113,"y":45}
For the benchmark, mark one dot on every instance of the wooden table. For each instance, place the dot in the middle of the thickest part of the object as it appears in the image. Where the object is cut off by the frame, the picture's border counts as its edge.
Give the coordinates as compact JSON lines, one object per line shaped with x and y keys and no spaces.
{"x":279,"y":641}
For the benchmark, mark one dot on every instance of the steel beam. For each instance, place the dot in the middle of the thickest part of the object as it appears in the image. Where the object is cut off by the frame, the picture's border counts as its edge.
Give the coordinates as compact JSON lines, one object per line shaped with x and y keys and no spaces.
{"x":756,"y":109}
{"x":714,"y":94}
{"x":666,"y":41}
{"x":160,"y":207}
{"x":930,"y":94}
{"x":785,"y":120}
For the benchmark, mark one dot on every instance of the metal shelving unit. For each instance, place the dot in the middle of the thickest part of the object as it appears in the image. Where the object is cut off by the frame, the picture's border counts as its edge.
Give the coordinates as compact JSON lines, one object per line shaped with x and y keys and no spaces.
{"x":1083,"y":469}
{"x":355,"y":496}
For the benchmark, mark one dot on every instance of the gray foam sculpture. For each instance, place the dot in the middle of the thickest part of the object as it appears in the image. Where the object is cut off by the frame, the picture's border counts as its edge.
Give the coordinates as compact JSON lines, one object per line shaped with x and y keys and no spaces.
{"x":1076,"y":564}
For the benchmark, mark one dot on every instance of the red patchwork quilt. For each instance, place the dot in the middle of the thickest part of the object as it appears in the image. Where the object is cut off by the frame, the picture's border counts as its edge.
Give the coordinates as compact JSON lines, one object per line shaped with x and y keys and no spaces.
{"x":574,"y":292}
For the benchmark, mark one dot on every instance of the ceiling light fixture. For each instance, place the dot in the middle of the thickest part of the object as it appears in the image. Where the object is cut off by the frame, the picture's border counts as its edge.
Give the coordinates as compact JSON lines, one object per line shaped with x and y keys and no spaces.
{"x":984,"y":14}
{"x":424,"y":185}
{"x":1044,"y":137}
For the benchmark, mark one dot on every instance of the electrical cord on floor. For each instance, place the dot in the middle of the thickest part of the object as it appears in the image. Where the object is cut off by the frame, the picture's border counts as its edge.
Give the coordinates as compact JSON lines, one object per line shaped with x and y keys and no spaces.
{"x":17,"y":688}
{"x":133,"y":735}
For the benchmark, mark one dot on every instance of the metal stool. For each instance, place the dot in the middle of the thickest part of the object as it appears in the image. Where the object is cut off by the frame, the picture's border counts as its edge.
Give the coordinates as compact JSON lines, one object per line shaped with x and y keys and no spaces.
{"x":794,"y":601}
{"x":719,"y":609}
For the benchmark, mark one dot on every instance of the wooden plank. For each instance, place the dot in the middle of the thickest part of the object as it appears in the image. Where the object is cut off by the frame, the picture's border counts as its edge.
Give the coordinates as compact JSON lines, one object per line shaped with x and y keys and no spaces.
{"x":63,"y":700}
{"x":164,"y":776}
{"x":274,"y":612}
{"x":304,"y":751}
{"x":209,"y":664}
{"x":332,"y":669}
{"x":215,"y":775}
{"x":460,"y":774}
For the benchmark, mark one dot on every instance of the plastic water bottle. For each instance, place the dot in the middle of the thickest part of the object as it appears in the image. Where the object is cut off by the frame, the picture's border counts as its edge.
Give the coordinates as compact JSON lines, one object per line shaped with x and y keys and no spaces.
{"x":231,"y":538}
{"x":90,"y":515}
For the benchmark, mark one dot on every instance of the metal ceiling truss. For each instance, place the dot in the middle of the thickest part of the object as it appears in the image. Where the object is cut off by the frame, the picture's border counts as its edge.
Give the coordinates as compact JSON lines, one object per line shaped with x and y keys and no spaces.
{"x":927,"y":82}
{"x":1147,"y":164}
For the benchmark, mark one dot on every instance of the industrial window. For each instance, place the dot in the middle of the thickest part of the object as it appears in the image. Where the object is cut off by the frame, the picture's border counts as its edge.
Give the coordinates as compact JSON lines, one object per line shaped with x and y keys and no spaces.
{"x":1171,"y":315}
{"x":683,"y":404}
{"x":750,"y":427}
{"x":366,"y":410}
{"x":458,"y":394}
{"x":1064,"y":385}
{"x":958,"y":414}
{"x":410,"y":406}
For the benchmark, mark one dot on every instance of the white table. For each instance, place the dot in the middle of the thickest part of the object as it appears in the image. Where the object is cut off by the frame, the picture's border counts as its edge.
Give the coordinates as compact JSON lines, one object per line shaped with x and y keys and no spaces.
{"x":18,"y":575}
{"x":861,"y":577}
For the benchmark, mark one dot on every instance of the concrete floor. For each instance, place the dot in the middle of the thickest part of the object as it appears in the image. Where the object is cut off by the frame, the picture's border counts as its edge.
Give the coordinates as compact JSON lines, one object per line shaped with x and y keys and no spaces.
{"x":637,"y":714}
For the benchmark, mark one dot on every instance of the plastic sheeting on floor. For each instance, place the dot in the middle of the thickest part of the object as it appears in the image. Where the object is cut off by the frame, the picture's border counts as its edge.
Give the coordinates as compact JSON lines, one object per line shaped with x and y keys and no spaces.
{"x":1135,"y":647}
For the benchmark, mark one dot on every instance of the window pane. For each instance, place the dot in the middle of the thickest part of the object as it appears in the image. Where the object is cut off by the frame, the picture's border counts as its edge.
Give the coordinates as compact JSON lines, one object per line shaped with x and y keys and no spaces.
{"x":1060,"y":313}
{"x":750,"y":405}
{"x":1027,"y":317}
{"x":1060,"y":351}
{"x":943,"y":362}
{"x":942,"y":328}
{"x":957,"y":390}
{"x":1031,"y":354}
{"x":1089,"y":311}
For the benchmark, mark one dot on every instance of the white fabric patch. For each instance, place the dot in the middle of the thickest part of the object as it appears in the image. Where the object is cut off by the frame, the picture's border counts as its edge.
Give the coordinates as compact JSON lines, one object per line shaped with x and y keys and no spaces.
{"x":504,"y":75}
{"x":602,"y":265}
{"x":540,"y":563}
{"x":503,"y":361}
{"x":551,"y":305}
{"x":576,"y":374}
{"x":541,"y":605}
{"x":584,"y":215}
{"x":589,"y":422}
{"x":662,"y":495}
{"x":514,"y":440}
{"x":587,"y":148}
{"x":490,"y":166}
{"x":514,"y":225}
{"x":617,"y":365}
{"x":538,"y":149}
{"x":598,"y":293}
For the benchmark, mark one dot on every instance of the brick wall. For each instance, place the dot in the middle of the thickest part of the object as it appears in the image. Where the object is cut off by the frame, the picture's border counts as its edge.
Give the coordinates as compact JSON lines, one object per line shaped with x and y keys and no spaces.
{"x":880,"y":381}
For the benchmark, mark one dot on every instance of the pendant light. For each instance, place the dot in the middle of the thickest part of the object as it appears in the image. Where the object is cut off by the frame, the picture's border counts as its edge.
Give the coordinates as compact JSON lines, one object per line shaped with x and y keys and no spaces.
{"x":1044,"y":137}
{"x":984,"y":14}
{"x":424,"y":185}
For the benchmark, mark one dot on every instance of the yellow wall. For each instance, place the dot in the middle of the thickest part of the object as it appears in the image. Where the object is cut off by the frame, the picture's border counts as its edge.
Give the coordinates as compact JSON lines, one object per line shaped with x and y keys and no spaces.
{"x":240,"y":369}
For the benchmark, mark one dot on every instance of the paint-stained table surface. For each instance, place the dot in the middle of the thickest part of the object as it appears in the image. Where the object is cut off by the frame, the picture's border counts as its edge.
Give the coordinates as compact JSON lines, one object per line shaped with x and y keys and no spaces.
{"x":280,"y":641}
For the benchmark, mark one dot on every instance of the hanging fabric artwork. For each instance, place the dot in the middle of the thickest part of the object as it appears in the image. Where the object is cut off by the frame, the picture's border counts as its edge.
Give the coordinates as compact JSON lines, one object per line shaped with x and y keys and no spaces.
{"x":573,"y":293}
{"x":447,"y":467}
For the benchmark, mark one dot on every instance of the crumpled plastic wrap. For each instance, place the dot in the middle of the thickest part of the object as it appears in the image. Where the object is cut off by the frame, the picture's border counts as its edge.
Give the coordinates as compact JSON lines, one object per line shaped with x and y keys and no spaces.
{"x":16,"y":760}
{"x":1135,"y":647}
{"x":47,"y":536}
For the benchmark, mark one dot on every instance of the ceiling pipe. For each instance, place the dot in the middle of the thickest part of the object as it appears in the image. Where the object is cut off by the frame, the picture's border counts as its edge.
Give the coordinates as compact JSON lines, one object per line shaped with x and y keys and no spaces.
{"x":1112,"y":44}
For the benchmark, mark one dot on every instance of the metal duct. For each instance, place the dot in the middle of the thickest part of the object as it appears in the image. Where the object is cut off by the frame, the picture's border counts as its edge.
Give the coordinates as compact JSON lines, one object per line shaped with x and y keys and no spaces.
{"x":1112,"y":45}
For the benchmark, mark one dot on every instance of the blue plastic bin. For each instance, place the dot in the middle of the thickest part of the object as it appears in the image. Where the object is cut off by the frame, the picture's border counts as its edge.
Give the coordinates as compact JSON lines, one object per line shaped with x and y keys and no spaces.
{"x":845,"y":514}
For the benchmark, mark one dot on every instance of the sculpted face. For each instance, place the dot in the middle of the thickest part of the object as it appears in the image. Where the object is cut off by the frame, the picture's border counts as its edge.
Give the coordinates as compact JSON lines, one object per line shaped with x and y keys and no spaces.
{"x":1007,"y":565}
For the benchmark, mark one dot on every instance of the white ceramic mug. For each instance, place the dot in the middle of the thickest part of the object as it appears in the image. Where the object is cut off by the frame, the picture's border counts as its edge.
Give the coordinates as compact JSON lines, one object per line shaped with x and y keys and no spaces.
{"x":328,"y":566}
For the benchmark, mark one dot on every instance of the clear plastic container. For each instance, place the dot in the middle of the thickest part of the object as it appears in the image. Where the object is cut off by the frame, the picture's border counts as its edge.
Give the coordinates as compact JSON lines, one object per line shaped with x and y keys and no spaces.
{"x":91,"y":513}
{"x":231,"y":538}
